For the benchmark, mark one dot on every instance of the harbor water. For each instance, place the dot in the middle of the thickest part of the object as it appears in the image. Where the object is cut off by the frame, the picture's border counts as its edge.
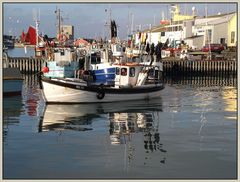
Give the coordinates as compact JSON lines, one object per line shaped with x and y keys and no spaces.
{"x":190,"y":132}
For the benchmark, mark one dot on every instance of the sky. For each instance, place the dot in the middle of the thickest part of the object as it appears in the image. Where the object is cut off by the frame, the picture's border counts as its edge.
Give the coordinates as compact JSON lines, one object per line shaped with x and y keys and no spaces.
{"x":89,"y":19}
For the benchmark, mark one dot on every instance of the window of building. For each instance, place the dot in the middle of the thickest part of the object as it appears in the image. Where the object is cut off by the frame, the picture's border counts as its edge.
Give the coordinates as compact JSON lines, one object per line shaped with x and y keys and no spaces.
{"x":232,"y":37}
{"x":162,"y":33}
{"x":132,"y":72}
{"x":62,"y":53}
{"x":222,"y":40}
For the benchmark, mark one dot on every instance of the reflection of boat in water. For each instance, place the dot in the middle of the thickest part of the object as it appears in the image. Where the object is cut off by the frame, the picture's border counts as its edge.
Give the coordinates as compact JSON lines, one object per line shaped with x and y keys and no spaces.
{"x":12,"y":109}
{"x":127,"y":127}
{"x":127,"y":121}
{"x":63,"y":117}
{"x":80,"y":116}
{"x":122,"y":124}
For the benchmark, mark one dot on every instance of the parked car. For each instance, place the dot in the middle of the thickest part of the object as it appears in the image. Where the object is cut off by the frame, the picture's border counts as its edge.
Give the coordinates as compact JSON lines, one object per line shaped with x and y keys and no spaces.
{"x":213,"y":47}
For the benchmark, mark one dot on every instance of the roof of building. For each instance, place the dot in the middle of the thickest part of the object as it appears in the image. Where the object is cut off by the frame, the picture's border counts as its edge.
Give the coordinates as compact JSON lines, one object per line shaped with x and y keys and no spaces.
{"x":220,"y":15}
{"x":214,"y":20}
{"x":210,"y":20}
{"x":193,"y":37}
{"x":80,"y":41}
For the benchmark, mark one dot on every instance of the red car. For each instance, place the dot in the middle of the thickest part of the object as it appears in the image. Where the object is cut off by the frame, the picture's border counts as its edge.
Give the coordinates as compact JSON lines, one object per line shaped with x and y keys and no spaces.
{"x":213,"y":47}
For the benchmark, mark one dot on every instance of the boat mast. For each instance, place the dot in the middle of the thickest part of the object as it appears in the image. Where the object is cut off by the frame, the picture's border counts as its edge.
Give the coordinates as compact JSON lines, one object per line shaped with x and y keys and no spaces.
{"x":110,"y":20}
{"x":37,"y":32}
{"x":58,"y":22}
{"x":132,"y":15}
{"x":37,"y":22}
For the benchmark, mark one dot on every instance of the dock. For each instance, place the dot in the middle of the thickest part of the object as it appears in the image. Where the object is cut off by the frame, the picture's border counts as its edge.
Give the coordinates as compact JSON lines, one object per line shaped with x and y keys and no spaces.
{"x":26,"y":65}
{"x":199,"y":67}
{"x":170,"y":66}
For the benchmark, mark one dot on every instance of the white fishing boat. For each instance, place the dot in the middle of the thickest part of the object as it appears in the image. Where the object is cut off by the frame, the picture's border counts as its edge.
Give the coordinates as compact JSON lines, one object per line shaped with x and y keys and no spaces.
{"x":133,"y":81}
{"x":12,"y":82}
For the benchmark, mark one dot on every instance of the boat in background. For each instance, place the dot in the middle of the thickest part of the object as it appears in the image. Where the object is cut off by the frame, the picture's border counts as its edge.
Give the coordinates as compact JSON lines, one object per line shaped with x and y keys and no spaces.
{"x":8,"y":41}
{"x":61,"y":62}
{"x":12,"y":81}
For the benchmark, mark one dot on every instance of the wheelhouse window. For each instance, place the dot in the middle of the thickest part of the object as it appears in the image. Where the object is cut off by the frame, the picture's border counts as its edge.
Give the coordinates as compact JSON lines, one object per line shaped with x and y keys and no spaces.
{"x":151,"y":72}
{"x":123,"y":71}
{"x":132,"y":72}
{"x":117,"y":71}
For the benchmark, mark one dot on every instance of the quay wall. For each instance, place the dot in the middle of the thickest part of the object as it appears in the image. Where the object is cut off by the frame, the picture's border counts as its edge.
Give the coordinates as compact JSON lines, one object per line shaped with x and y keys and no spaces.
{"x":170,"y":67}
{"x":199,"y":67}
{"x":25,"y":64}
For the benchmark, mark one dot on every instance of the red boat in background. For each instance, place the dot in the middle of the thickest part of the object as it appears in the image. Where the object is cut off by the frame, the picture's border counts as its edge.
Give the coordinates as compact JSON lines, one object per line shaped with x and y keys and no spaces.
{"x":29,"y":38}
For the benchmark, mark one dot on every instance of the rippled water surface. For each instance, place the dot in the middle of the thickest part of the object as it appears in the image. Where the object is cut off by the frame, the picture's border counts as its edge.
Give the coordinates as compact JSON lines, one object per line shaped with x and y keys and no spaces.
{"x":188,"y":133}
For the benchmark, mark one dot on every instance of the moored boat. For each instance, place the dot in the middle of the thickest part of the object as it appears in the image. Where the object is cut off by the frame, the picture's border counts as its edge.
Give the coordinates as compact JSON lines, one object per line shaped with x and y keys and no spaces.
{"x":12,"y":81}
{"x":133,"y":81}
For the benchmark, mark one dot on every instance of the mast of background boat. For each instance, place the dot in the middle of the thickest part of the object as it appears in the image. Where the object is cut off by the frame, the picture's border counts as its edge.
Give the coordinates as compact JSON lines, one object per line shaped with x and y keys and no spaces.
{"x":110,"y":20}
{"x":132,"y":15}
{"x":58,"y":23}
{"x":37,"y":29}
{"x":108,"y":25}
{"x":36,"y":18}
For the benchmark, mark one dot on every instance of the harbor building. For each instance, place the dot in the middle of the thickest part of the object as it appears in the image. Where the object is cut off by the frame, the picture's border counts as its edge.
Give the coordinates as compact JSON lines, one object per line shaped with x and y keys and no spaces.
{"x":215,"y":29}
{"x":68,"y":31}
{"x":172,"y":31}
{"x":194,"y":31}
{"x":232,"y":31}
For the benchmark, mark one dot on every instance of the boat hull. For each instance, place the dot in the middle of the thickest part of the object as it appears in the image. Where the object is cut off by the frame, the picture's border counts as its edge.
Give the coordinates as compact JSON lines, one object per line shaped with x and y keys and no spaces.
{"x":55,"y":91}
{"x":12,"y":87}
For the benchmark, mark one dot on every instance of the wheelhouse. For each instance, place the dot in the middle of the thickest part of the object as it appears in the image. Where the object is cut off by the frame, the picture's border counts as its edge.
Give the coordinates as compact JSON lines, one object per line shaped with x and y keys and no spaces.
{"x":130,"y":75}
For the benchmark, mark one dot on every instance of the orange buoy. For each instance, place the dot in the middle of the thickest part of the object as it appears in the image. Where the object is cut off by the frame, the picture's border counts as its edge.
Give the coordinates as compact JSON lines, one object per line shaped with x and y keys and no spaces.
{"x":45,"y":69}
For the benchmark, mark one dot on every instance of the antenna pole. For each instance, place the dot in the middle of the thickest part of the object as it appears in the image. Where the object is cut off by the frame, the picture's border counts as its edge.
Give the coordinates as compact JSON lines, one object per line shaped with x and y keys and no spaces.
{"x":59,"y":22}
{"x":110,"y":20}
{"x":132,"y":23}
{"x":37,"y":28}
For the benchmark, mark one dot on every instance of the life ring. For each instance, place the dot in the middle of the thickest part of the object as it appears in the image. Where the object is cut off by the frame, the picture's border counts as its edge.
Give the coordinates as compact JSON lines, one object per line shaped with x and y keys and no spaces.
{"x":62,"y":37}
{"x":100,"y":93}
